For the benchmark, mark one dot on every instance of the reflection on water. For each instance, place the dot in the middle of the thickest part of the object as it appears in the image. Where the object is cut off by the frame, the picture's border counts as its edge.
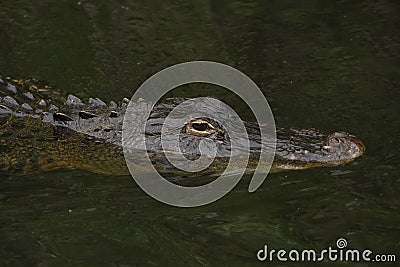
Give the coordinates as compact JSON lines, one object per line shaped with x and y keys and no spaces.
{"x":333,"y":66}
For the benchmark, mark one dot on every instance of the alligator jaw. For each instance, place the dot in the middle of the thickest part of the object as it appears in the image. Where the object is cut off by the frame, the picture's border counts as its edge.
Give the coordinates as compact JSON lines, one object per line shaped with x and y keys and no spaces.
{"x":338,"y":148}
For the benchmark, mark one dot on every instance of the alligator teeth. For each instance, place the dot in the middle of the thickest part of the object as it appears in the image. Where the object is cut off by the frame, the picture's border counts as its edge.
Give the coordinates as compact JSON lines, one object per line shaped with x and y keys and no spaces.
{"x":10,"y":102}
{"x":86,"y":115}
{"x":61,"y":117}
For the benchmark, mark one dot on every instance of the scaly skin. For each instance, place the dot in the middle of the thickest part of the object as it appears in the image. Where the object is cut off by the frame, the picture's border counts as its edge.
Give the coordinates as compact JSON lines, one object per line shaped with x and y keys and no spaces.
{"x":43,"y":129}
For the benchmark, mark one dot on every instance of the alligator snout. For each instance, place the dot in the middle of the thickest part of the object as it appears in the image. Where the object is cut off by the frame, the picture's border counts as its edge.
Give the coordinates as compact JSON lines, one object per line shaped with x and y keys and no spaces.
{"x":345,"y":146}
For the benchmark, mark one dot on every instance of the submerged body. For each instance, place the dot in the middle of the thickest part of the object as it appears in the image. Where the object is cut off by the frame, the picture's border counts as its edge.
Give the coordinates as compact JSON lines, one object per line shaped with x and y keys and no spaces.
{"x":45,"y":129}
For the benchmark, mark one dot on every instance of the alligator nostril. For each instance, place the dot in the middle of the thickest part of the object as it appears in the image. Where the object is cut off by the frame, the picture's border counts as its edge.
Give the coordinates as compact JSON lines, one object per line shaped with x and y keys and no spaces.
{"x":338,"y":140}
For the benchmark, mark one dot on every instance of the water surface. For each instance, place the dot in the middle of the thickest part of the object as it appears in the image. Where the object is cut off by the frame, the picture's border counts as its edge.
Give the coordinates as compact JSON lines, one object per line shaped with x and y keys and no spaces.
{"x":329,"y":65}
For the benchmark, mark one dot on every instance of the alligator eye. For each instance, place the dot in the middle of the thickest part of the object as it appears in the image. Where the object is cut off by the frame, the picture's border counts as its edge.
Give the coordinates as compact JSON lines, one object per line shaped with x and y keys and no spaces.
{"x":200,"y":127}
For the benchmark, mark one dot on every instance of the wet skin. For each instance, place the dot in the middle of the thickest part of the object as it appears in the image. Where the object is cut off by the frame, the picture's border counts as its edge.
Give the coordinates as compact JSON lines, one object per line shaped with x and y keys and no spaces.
{"x":45,"y":129}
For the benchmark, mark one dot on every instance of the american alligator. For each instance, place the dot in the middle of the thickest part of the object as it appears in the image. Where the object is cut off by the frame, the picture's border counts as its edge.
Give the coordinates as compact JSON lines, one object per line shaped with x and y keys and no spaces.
{"x":45,"y":129}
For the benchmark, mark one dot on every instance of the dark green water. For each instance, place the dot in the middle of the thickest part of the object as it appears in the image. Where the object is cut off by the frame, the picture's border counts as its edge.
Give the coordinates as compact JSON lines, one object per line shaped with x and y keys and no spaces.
{"x":329,"y":65}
